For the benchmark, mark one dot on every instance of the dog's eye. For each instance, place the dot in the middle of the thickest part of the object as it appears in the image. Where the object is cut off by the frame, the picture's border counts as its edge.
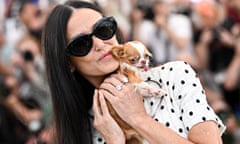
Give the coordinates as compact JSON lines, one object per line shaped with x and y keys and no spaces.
{"x":146,"y":56}
{"x":134,"y":60}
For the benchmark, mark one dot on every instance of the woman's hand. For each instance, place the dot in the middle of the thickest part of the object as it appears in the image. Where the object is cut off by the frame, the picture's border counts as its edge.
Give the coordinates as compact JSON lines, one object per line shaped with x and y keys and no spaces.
{"x":126,"y":102}
{"x":104,"y":122}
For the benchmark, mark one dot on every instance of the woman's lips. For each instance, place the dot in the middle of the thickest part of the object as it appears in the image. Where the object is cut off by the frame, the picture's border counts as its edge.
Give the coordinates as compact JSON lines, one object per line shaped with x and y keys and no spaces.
{"x":106,"y":55}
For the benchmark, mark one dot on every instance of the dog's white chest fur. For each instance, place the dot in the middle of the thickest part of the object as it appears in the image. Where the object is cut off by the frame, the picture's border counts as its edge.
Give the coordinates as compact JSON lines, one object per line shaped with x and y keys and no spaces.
{"x":145,"y":89}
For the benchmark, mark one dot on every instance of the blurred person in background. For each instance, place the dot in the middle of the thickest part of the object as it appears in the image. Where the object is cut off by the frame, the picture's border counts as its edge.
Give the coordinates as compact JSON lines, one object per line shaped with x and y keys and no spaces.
{"x":25,"y":93}
{"x":140,"y":25}
{"x":120,"y":10}
{"x":4,"y":69}
{"x":33,"y":17}
{"x":217,"y":50}
{"x":233,"y":8}
{"x":30,"y":101}
{"x":182,"y":7}
{"x":8,"y":134}
{"x":171,"y":38}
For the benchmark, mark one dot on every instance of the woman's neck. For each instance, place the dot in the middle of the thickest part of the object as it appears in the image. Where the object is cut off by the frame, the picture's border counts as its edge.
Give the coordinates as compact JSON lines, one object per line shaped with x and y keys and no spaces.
{"x":96,"y":81}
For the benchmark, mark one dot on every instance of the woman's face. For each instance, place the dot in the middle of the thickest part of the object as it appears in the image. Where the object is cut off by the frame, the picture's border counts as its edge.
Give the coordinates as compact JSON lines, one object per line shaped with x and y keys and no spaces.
{"x":98,"y":62}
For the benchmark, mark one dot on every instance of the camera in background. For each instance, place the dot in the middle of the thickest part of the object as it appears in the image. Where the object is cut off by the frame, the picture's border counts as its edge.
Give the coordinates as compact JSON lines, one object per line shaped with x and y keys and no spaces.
{"x":4,"y":89}
{"x":27,"y":56}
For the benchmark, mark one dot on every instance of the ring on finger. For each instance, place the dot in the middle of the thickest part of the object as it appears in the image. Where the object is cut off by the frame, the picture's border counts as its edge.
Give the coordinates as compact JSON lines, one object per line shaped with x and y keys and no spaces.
{"x":119,"y":87}
{"x":125,"y":80}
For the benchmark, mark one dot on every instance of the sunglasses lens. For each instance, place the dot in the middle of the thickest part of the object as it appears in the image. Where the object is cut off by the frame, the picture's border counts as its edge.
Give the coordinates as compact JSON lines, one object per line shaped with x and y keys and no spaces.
{"x":80,"y":46}
{"x":105,"y":28}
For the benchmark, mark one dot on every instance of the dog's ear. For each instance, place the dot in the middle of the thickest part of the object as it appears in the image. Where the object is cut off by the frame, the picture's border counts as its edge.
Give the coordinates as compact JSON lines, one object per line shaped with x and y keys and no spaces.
{"x":148,"y":52}
{"x":118,"y":52}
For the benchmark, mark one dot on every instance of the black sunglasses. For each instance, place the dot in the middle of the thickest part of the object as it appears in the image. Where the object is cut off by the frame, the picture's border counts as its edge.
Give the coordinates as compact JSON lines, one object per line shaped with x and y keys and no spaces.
{"x":81,"y":44}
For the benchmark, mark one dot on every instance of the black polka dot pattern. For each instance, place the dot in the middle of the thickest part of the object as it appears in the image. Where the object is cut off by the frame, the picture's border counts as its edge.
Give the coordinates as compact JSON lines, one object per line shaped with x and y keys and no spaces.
{"x":197,"y":101}
{"x":100,"y":139}
{"x":151,"y":103}
{"x":184,"y":103}
{"x":167,"y":83}
{"x":182,"y":82}
{"x":162,"y":107}
{"x":167,"y":124}
{"x":203,"y":118}
{"x":180,"y":118}
{"x":179,"y":97}
{"x":180,"y":130}
{"x":190,"y":113}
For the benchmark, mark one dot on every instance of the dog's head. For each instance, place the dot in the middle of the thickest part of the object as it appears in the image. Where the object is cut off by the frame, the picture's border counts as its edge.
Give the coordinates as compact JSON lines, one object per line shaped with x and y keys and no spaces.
{"x":133,"y":53}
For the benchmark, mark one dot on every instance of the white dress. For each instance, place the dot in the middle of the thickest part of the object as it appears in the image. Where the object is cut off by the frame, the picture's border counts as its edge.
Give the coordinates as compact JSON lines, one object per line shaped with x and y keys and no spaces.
{"x":183,"y":106}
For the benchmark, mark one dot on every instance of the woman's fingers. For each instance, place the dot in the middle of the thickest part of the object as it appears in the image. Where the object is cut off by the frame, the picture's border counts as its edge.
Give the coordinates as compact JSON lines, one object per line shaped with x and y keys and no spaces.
{"x":108,"y":87}
{"x":100,"y":107}
{"x":103,"y":104}
{"x":114,"y":83}
{"x":126,"y":102}
{"x":104,"y":122}
{"x":122,"y":96}
{"x":96,"y":107}
{"x":109,"y":96}
{"x":116,"y":79}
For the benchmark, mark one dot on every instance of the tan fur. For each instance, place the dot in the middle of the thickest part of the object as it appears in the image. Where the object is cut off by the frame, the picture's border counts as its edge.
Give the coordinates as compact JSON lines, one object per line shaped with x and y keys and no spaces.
{"x":123,"y":53}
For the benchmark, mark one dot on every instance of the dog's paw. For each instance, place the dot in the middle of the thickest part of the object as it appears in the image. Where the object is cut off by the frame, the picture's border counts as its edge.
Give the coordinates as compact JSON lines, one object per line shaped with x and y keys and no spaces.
{"x":147,"y":90}
{"x":153,"y":92}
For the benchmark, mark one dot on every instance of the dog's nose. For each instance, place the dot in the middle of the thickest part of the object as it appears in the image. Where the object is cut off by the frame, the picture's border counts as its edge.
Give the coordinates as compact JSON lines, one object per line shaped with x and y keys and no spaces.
{"x":143,"y":62}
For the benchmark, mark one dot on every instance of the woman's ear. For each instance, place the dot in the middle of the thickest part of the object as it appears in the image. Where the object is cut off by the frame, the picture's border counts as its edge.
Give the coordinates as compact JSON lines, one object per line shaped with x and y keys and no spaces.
{"x":72,"y":68}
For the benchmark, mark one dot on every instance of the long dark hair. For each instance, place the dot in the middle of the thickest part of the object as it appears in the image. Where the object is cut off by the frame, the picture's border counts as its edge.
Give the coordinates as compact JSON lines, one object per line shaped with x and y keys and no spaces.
{"x":71,"y":93}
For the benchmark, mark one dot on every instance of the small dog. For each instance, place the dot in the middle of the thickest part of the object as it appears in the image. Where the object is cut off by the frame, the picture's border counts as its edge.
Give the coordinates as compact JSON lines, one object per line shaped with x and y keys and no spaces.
{"x":134,"y":60}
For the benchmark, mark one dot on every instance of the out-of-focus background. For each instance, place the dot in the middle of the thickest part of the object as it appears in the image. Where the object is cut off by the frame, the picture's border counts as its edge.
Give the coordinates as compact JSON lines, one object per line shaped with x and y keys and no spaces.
{"x":204,"y":33}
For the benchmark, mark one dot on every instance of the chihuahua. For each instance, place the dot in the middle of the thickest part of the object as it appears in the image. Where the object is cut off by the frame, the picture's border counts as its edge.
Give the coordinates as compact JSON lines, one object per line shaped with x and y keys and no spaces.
{"x":134,"y":59}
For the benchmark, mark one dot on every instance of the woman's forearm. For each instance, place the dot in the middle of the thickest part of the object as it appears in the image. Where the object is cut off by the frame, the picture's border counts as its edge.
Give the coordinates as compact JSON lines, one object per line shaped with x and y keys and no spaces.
{"x":157,"y":133}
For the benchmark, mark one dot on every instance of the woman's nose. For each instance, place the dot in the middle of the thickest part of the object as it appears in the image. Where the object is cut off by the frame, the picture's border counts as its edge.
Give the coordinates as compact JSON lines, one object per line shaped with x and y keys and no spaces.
{"x":98,"y":44}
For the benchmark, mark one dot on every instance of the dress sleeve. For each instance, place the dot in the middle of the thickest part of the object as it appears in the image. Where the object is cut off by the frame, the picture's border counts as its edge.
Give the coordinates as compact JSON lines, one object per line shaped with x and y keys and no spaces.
{"x":190,"y":97}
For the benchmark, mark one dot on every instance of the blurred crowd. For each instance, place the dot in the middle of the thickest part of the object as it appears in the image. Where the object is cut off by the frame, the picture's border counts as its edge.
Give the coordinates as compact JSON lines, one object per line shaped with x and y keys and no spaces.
{"x":204,"y":33}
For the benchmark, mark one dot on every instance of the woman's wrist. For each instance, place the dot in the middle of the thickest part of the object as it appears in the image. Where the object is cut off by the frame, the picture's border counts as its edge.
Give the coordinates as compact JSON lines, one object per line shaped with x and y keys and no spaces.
{"x":116,"y":140}
{"x":136,"y":121}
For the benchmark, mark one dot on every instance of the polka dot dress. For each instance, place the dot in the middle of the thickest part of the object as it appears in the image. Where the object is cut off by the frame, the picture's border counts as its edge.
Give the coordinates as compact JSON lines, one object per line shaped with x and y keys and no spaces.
{"x":184,"y":104}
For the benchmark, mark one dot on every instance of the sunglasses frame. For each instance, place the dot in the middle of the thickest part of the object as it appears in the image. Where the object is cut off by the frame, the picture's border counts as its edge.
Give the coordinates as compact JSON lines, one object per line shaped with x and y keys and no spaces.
{"x":73,"y":48}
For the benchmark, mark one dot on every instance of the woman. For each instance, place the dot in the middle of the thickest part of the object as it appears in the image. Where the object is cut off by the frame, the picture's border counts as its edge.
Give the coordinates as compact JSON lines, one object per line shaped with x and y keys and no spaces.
{"x":77,"y":40}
